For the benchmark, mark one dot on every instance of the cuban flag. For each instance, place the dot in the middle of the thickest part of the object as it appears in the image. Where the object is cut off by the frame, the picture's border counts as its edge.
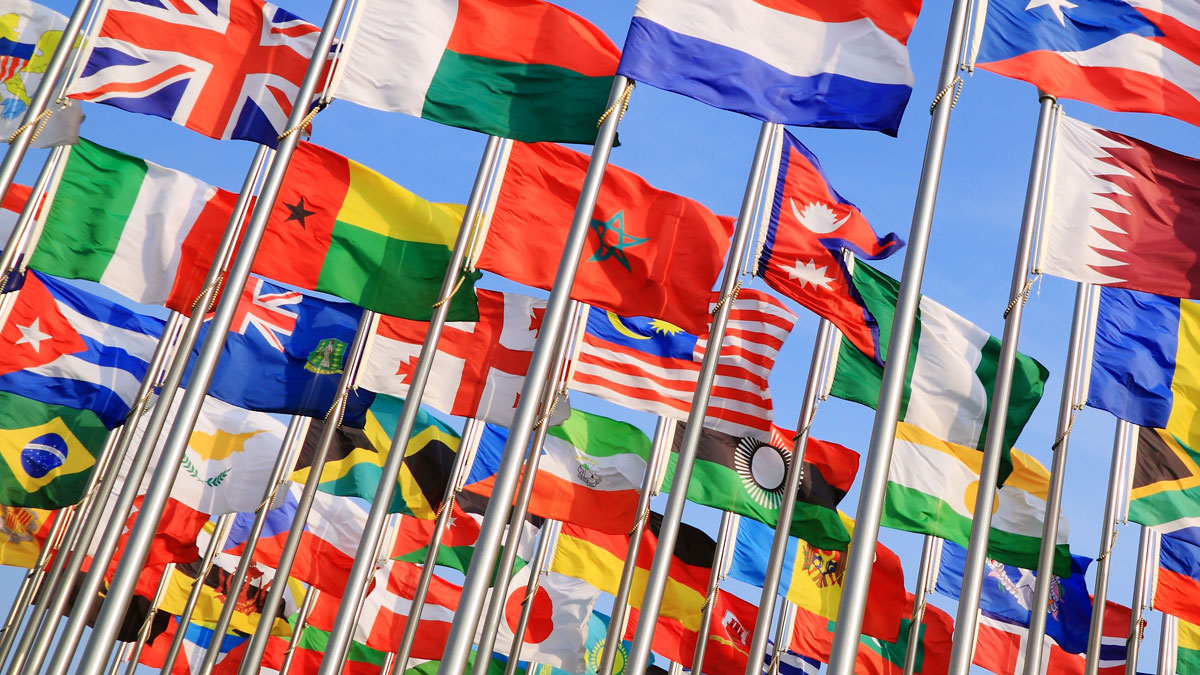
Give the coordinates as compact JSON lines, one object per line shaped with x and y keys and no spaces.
{"x":1123,"y":55}
{"x":817,"y":63}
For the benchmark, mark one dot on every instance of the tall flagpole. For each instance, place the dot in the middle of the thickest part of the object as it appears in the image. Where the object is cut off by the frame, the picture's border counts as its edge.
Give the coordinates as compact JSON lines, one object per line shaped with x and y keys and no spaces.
{"x":664,"y":433}
{"x":861,"y":555}
{"x":153,"y":503}
{"x":787,"y":505}
{"x":545,"y":551}
{"x":148,"y":622}
{"x":724,"y":541}
{"x":1166,"y":645}
{"x":929,"y":550}
{"x":1147,"y":550}
{"x":783,"y":635}
{"x":310,"y":599}
{"x":1108,"y":539}
{"x":12,"y":247}
{"x":656,"y":581}
{"x":479,"y":575}
{"x":219,"y":535}
{"x":33,"y":578}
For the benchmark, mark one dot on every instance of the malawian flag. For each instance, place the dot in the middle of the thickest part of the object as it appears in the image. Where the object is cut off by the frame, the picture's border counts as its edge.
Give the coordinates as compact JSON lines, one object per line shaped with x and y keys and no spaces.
{"x":354,"y":464}
{"x":26,"y":532}
{"x":143,"y":230}
{"x":813,"y":578}
{"x":522,"y":69}
{"x":1166,"y":485}
{"x":931,"y":490}
{"x":803,"y":62}
{"x":48,"y":452}
{"x":648,"y":253}
{"x":813,"y":635}
{"x":746,"y":476}
{"x":1001,"y":646}
{"x":1188,"y":654}
{"x":1178,"y":581}
{"x":1123,"y":56}
{"x":801,"y":255}
{"x":951,"y":372}
{"x":458,"y":542}
{"x":728,"y":645}
{"x":65,"y":346}
{"x":591,"y":471}
{"x":341,"y":228}
{"x":1124,"y":212}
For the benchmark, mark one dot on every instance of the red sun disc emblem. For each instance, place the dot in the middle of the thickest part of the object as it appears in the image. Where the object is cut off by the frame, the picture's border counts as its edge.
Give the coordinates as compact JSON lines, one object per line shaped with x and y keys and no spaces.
{"x":541,"y":623}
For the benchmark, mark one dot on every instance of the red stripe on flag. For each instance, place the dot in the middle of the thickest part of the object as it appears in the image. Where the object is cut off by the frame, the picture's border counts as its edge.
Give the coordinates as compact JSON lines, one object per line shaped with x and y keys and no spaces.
{"x":896,"y":18}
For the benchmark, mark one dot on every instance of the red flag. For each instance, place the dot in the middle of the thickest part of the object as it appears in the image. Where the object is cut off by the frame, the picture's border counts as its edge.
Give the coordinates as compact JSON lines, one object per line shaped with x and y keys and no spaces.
{"x":802,"y":252}
{"x":648,"y":252}
{"x":1001,"y":646}
{"x":729,"y":636}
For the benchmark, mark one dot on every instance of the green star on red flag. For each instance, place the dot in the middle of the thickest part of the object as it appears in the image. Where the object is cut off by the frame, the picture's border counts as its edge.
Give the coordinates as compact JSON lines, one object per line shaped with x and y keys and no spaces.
{"x":605,"y":250}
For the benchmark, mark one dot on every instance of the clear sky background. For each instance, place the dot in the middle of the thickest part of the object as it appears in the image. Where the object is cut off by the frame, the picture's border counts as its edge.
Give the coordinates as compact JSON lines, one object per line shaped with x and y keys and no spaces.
{"x":704,"y":153}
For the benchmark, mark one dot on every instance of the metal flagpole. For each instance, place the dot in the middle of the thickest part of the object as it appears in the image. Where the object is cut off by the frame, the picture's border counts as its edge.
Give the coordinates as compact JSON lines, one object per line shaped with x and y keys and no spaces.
{"x":639,"y":654}
{"x":664,"y":433}
{"x":1147,"y":551}
{"x":310,"y":599}
{"x":783,"y":635}
{"x":12,"y":247}
{"x":220,"y":533}
{"x":787,"y":505}
{"x":389,"y":661}
{"x":148,"y":622}
{"x":479,"y":574}
{"x":724,"y":540}
{"x":33,"y":579}
{"x":545,"y":552}
{"x":861,"y":555}
{"x":121,"y":656}
{"x":1166,"y":645}
{"x":1108,"y":539}
{"x":928,"y":551}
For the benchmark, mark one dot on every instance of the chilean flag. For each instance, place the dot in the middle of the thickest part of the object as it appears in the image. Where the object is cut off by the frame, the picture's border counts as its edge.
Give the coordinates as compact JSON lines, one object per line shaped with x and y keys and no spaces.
{"x":821,"y":63}
{"x":1123,"y":55}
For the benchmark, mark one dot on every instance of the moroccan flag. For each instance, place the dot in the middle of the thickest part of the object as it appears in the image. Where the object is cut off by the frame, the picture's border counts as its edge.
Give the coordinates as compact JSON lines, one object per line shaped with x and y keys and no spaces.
{"x":1165,"y":495}
{"x":25,"y":533}
{"x":648,"y":252}
{"x":47,"y":451}
{"x":522,"y":69}
{"x":1188,"y":656}
{"x":747,"y":477}
{"x":340,"y":228}
{"x":801,"y":255}
{"x":354,"y":464}
{"x":1178,"y":579}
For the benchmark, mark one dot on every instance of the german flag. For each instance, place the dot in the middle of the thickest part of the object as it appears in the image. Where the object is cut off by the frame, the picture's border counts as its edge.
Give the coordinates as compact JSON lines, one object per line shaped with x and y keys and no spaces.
{"x":1166,"y":485}
{"x":355,"y":460}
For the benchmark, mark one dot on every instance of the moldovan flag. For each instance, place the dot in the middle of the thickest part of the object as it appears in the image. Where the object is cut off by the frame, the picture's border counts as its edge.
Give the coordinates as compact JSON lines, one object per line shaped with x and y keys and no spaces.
{"x":522,"y":69}
{"x":48,"y":452}
{"x":648,"y":253}
{"x":1188,"y":656}
{"x":341,"y":228}
{"x":23,"y":535}
{"x":1178,"y":581}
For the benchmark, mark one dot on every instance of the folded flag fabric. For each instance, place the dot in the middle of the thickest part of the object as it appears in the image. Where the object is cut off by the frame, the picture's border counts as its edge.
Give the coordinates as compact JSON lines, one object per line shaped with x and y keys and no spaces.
{"x":1178,"y":580}
{"x":649,"y":364}
{"x":522,"y":69}
{"x":48,"y":452}
{"x":591,"y":472}
{"x":1164,"y":493}
{"x":65,"y":346}
{"x":196,"y":638}
{"x":1124,"y":212}
{"x":31,"y":34}
{"x":214,"y":596}
{"x":597,"y":633}
{"x":354,"y":463}
{"x":342,"y":228}
{"x":558,"y":622}
{"x":1120,"y":55}
{"x":648,"y":253}
{"x":23,"y":533}
{"x":801,"y":248}
{"x":809,"y":63}
{"x":1188,"y":652}
{"x":729,"y":635}
{"x":458,"y":542}
{"x":11,"y":206}
{"x":791,"y":663}
{"x":1000,"y":647}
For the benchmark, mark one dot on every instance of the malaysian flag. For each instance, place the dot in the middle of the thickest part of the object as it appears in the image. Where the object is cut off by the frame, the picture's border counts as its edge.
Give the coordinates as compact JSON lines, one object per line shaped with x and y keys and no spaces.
{"x":651,"y":365}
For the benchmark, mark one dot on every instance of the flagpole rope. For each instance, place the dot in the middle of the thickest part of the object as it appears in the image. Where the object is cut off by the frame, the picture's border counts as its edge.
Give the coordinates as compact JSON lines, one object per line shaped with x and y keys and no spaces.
{"x":1022,"y":297}
{"x":549,"y":412}
{"x":1111,"y":545}
{"x":342,"y":398}
{"x":737,"y":286}
{"x":447,"y":504}
{"x":38,"y":120}
{"x":711,"y":597}
{"x":461,"y":278}
{"x":214,"y":285}
{"x":1066,"y":432}
{"x":320,"y":105}
{"x":640,"y":522}
{"x":622,"y":102}
{"x":955,"y":84}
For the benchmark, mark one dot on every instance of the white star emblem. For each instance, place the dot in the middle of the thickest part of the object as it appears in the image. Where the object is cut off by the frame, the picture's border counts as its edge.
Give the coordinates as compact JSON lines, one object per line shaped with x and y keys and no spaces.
{"x":32,"y":335}
{"x":809,"y":274}
{"x":450,"y":522}
{"x":1056,"y":6}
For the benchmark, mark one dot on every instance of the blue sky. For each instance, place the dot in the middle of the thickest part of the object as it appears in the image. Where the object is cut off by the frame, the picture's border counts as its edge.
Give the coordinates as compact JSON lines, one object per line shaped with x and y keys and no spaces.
{"x":686,"y":147}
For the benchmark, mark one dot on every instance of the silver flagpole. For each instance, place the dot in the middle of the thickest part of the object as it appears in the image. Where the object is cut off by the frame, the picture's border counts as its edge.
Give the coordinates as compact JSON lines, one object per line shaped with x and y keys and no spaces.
{"x":148,"y":622}
{"x":310,"y":599}
{"x":928,"y":550}
{"x":545,"y":552}
{"x":787,"y":505}
{"x":664,"y":433}
{"x":861,"y":555}
{"x":676,"y":668}
{"x":656,"y":581}
{"x":1166,"y":645}
{"x":13,"y":247}
{"x":289,"y":450}
{"x":783,"y":635}
{"x":155,"y":499}
{"x":33,"y":578}
{"x":715,"y":577}
{"x":479,"y":575}
{"x":220,"y":533}
{"x":389,"y":661}
{"x":120,"y":656}
{"x":1137,"y":623}
{"x":1108,"y":539}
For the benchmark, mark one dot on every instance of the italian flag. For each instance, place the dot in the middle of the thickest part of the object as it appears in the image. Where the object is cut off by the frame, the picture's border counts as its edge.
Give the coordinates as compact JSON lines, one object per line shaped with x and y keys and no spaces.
{"x":932,"y":488}
{"x":522,"y":69}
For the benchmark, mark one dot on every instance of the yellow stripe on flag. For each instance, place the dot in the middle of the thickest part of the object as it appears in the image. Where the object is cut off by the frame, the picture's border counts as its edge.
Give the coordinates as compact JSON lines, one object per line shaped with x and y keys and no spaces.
{"x":376,"y":204}
{"x":1184,"y":421}
{"x":209,"y":605}
{"x":1028,"y":475}
{"x":971,"y":457}
{"x":1189,"y":635}
{"x":1182,"y":456}
{"x":817,"y":580}
{"x":14,"y":441}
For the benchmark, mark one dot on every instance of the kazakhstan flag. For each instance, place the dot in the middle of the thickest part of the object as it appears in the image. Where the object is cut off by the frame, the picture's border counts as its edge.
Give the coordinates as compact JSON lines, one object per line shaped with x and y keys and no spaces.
{"x":48,"y":452}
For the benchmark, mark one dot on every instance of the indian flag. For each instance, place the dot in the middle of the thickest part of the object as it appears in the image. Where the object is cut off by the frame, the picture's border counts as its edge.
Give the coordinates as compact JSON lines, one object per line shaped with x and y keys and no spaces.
{"x":522,"y":69}
{"x":932,"y":488}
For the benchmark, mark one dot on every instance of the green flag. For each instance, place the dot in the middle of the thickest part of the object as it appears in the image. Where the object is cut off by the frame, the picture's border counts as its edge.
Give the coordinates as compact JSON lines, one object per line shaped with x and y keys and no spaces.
{"x":48,"y":451}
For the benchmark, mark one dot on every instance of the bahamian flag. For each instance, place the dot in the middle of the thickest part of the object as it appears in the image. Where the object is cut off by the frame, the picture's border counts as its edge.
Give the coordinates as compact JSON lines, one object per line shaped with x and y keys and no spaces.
{"x":355,"y":461}
{"x":286,"y":352}
{"x":48,"y":452}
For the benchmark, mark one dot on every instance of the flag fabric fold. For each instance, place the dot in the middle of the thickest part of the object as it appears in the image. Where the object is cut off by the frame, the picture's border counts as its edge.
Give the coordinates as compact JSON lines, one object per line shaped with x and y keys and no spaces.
{"x":48,"y":452}
{"x":1178,"y":580}
{"x":31,"y":34}
{"x":1164,"y":493}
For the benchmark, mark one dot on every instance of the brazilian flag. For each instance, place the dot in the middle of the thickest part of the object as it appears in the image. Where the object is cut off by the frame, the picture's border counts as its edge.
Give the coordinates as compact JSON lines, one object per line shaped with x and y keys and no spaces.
{"x":355,"y":461}
{"x":48,"y":452}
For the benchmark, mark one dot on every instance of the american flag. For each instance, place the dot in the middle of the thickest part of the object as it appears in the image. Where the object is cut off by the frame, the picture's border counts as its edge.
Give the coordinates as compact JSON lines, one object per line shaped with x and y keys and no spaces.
{"x":650,"y":365}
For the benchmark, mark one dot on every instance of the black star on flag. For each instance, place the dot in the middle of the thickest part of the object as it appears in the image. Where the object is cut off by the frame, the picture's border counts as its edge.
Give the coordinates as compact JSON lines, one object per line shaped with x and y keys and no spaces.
{"x":297,"y":212}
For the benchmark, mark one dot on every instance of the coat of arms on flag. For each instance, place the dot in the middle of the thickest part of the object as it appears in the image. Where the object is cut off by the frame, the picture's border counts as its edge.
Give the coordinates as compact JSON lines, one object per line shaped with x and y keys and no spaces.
{"x":29,"y":34}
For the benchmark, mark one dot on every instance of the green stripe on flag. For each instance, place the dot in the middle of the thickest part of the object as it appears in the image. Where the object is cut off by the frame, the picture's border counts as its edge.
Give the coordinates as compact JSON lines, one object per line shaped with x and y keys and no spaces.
{"x":46,"y":452}
{"x":600,"y":436}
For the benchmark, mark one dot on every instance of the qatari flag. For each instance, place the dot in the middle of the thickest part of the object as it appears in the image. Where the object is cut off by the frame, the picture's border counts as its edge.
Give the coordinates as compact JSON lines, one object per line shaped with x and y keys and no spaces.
{"x":1124,"y":213}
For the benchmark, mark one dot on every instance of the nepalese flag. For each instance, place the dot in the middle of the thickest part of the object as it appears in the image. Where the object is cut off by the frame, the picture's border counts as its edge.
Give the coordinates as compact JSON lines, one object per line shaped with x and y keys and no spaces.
{"x":649,"y":364}
{"x":226,"y":69}
{"x":819,"y":63}
{"x":1178,"y":583}
{"x":801,"y":256}
{"x":1124,"y":55}
{"x":64,"y":346}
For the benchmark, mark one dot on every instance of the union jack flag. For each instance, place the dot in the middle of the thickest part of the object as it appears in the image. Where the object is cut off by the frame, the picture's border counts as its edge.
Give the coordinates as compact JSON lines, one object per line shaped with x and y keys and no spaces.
{"x":267,"y":313}
{"x":223,"y":68}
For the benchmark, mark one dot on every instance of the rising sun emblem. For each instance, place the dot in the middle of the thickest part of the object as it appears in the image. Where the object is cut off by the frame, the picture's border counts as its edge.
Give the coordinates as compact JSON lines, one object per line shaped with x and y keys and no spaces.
{"x":817,"y":217}
{"x":763,"y":470}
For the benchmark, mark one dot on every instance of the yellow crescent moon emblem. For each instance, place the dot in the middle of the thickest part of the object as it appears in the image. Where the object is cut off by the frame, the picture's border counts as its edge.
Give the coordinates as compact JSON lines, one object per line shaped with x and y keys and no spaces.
{"x":623,"y":329}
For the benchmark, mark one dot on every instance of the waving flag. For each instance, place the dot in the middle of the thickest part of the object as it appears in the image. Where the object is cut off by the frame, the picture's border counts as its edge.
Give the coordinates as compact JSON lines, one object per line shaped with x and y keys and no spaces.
{"x":817,"y":63}
{"x":1124,"y":55}
{"x":46,"y":452}
{"x":29,"y":34}
{"x":225,"y":69}
{"x":813,"y":634}
{"x":728,"y":639}
{"x":1001,"y":646}
{"x":1178,"y":579}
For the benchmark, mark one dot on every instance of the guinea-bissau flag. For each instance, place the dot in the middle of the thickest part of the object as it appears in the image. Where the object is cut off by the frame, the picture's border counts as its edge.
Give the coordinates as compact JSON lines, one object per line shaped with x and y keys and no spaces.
{"x":355,"y":460}
{"x":341,"y":228}
{"x":522,"y":69}
{"x":1178,"y":583}
{"x":48,"y":452}
{"x":648,"y":252}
